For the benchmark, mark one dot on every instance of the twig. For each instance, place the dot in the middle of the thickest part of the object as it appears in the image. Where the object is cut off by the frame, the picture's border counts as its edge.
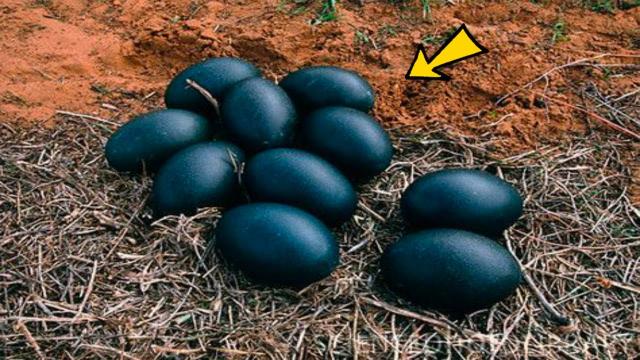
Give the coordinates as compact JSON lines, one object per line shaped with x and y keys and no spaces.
{"x":124,"y":231}
{"x":612,"y":108}
{"x":553,"y":314}
{"x":547,"y":73}
{"x":53,"y":319}
{"x":167,"y":350}
{"x":410,"y":314}
{"x":608,"y":283}
{"x":603,"y":120}
{"x":443,"y":324}
{"x":21,"y":328}
{"x":358,"y":246}
{"x":85,"y":116}
{"x":89,"y":289}
{"x":207,"y":95}
{"x":44,"y":74}
{"x":626,"y":95}
{"x":109,"y":349}
{"x":367,"y":209}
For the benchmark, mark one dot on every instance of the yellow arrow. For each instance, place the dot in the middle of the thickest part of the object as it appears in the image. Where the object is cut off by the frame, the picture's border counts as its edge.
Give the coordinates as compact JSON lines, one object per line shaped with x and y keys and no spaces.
{"x":460,"y":46}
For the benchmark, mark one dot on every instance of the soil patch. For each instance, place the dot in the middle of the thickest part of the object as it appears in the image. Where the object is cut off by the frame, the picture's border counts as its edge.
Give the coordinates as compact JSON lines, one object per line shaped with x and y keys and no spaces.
{"x":103,"y":58}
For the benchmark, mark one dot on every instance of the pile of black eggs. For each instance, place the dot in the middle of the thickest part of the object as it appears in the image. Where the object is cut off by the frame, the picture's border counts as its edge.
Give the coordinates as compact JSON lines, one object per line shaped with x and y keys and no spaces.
{"x":296,"y":150}
{"x":284,"y":159}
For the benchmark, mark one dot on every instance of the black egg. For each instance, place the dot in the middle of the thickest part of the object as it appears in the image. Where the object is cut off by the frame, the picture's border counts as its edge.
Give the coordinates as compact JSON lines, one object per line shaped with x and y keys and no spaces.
{"x":214,"y":75}
{"x":277,"y":244}
{"x":201,"y":175}
{"x":315,"y":87}
{"x":301,"y":179}
{"x":463,"y":199}
{"x":258,"y":115}
{"x":148,"y":140}
{"x":349,"y":139}
{"x":453,"y":271}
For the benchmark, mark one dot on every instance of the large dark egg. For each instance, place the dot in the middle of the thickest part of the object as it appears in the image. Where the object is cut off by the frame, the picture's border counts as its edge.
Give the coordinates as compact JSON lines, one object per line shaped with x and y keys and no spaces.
{"x":148,"y":140}
{"x":201,"y":175}
{"x":301,"y":179}
{"x":349,"y":139}
{"x":463,"y":199}
{"x":258,"y":115}
{"x":315,"y":87}
{"x":277,"y":244}
{"x":453,"y":271}
{"x":214,"y":75}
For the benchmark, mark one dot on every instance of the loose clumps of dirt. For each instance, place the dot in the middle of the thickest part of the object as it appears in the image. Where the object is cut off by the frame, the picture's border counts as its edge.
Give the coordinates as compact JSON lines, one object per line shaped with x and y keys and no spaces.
{"x":103,"y":57}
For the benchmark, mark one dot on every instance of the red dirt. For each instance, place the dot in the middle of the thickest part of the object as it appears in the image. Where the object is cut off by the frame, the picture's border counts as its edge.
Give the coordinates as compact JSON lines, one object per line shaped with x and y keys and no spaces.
{"x":105,"y":57}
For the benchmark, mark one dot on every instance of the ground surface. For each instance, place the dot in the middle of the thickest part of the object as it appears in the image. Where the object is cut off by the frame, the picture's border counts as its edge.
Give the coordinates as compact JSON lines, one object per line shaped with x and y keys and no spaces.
{"x":83,"y":274}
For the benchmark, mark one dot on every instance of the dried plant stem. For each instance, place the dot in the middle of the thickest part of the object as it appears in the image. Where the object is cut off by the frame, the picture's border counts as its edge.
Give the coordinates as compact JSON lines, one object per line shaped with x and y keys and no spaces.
{"x":207,"y":95}
{"x":443,"y":324}
{"x":87,"y":273}
{"x":553,"y":314}
{"x":88,"y":290}
{"x":593,"y":115}
{"x":21,"y":328}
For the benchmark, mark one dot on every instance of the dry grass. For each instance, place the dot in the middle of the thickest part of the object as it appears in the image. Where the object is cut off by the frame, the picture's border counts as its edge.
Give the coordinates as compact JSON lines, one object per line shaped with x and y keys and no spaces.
{"x":84,"y":274}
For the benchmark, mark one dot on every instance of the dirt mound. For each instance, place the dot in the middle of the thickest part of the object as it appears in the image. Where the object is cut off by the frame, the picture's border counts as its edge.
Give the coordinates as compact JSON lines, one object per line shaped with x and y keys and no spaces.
{"x":104,"y":57}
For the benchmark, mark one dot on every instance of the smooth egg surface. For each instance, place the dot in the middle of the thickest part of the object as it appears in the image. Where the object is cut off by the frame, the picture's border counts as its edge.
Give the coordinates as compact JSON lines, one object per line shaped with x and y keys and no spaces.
{"x":277,"y":244}
{"x":453,"y":271}
{"x":201,"y":175}
{"x":299,"y":178}
{"x":350,"y":139}
{"x":215,"y":75}
{"x":319,"y":86}
{"x":258,"y":115}
{"x":464,"y":199}
{"x":148,"y":140}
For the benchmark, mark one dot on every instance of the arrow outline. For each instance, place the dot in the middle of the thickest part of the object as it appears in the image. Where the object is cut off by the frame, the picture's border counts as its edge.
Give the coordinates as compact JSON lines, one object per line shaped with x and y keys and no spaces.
{"x":443,"y":76}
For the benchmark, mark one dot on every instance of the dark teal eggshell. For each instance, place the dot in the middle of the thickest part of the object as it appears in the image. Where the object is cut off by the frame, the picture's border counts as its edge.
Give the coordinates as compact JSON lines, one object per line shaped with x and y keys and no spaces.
{"x":349,"y":139}
{"x":320,"y":86}
{"x":301,"y":179}
{"x":258,"y":115}
{"x":276,"y":244}
{"x":202,"y":175}
{"x":215,"y":75}
{"x":464,"y":199}
{"x":452,"y":271}
{"x":150,"y":139}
